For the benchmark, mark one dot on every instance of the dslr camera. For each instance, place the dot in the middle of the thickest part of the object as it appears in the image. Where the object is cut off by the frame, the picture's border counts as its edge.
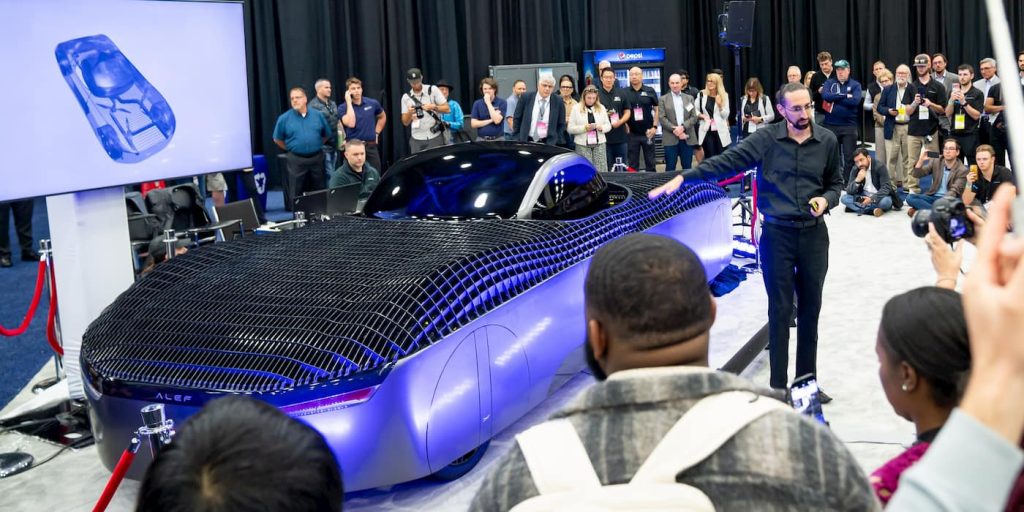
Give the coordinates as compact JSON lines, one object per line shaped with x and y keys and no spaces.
{"x":949,"y":215}
{"x":419,"y":111}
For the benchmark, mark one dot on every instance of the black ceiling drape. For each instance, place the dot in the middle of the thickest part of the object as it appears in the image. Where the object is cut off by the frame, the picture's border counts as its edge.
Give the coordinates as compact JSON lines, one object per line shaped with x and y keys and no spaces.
{"x":294,"y":42}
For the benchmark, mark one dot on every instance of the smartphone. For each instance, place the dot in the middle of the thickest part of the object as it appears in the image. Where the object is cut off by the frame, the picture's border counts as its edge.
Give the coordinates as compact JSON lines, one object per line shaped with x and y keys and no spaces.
{"x":932,"y":154}
{"x":805,"y":398}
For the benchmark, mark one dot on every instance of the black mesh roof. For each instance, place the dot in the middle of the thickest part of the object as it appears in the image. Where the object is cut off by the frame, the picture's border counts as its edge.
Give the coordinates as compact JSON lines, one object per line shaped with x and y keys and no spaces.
{"x":305,"y":306}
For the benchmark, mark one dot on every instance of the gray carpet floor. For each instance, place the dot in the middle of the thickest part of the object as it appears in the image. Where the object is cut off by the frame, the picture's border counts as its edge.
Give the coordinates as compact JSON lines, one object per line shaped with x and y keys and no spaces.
{"x":871,"y":259}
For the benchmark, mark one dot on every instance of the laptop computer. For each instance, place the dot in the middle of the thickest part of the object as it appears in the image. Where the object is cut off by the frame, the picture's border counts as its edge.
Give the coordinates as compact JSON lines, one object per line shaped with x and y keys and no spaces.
{"x":314,"y":204}
{"x":341,"y":200}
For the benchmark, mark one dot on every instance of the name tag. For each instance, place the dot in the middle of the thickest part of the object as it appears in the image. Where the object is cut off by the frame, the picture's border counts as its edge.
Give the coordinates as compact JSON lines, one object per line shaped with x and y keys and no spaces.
{"x":689,"y":107}
{"x":415,"y":123}
{"x":901,"y":113}
{"x":614,"y":116}
{"x":592,"y":137}
{"x":922,"y":112}
{"x":542,"y":130}
{"x":959,"y":122}
{"x":638,"y":113}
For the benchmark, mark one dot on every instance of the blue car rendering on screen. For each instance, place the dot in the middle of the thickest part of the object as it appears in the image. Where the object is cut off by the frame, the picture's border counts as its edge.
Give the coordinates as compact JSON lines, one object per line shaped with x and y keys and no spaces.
{"x":408,"y":335}
{"x":131,"y":119}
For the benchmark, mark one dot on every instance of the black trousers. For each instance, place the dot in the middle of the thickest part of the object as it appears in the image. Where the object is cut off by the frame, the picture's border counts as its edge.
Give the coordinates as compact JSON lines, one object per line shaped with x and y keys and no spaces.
{"x":968,"y":144}
{"x":1000,"y":142}
{"x":638,"y":141}
{"x":304,"y":174}
{"x":22,"y":225}
{"x":793,"y":260}
{"x":847,"y":137}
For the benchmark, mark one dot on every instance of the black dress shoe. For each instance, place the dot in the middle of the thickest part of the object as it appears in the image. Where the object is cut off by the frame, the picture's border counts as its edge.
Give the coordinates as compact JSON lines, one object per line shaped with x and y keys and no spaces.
{"x":823,"y":397}
{"x":5,"y":261}
{"x":29,"y":256}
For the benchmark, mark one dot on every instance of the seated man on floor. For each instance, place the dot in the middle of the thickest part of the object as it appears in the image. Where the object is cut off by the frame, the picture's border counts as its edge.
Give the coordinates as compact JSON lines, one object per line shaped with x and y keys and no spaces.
{"x":868,"y":188}
{"x":949,"y":175}
{"x":356,"y":170}
{"x":648,"y":314}
{"x":239,"y":453}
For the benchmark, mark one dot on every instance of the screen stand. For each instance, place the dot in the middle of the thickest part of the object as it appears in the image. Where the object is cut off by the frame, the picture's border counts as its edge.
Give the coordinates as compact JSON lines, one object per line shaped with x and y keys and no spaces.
{"x":92,"y":263}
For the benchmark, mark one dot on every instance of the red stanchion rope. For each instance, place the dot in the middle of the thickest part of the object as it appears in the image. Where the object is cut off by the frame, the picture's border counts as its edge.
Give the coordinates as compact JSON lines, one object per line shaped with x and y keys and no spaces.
{"x":753,"y":201}
{"x":31,"y":307}
{"x":51,"y":320}
{"x":51,"y":317}
{"x":115,"y":480}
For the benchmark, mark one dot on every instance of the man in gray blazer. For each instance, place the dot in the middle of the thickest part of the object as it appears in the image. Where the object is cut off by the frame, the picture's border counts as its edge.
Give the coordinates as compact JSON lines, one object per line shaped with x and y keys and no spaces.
{"x":677,"y":116}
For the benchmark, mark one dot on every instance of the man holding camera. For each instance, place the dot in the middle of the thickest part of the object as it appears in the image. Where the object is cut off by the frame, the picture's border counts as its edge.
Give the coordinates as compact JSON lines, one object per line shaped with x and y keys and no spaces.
{"x":949,"y":175}
{"x":983,"y":181}
{"x":929,"y":103}
{"x":420,"y":108}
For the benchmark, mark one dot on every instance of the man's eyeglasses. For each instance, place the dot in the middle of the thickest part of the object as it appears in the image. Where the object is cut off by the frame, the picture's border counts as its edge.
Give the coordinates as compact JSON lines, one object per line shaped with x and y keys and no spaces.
{"x":797,"y":109}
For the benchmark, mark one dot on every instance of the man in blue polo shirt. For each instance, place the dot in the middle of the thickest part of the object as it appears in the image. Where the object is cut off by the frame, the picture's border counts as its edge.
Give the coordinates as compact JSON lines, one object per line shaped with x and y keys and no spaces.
{"x":488,"y":112}
{"x":363,"y":119}
{"x":518,"y":88}
{"x":302,"y":133}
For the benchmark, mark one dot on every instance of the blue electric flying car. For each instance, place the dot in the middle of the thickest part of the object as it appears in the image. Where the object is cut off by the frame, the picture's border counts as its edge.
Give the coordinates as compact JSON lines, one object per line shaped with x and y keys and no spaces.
{"x":409,"y":335}
{"x":131,"y":119}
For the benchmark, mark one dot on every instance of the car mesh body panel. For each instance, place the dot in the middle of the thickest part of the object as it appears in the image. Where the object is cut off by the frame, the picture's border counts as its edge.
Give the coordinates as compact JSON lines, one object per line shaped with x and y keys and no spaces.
{"x":332,"y":299}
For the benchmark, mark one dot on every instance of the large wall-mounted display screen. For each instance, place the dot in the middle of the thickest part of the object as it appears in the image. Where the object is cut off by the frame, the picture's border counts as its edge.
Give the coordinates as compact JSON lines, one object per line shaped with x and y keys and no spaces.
{"x":102,"y":93}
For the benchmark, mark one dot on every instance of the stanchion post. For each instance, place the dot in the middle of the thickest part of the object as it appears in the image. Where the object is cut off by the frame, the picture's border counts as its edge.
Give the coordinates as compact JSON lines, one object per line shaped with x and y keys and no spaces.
{"x":46,"y":253}
{"x":169,"y":242}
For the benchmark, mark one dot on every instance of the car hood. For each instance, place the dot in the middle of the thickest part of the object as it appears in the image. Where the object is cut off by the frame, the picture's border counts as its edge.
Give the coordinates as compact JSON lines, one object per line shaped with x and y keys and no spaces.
{"x":271,"y":313}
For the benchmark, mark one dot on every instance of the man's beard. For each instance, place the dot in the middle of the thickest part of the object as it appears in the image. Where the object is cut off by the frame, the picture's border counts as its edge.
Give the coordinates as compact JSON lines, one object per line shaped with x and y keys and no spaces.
{"x":595,"y":369}
{"x":806,"y":123}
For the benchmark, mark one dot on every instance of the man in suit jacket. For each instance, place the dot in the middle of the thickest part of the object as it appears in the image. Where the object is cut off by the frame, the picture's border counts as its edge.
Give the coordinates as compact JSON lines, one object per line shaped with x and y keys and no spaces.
{"x":678,"y":118}
{"x":892,"y":104}
{"x":539,"y":116}
{"x":868,"y":188}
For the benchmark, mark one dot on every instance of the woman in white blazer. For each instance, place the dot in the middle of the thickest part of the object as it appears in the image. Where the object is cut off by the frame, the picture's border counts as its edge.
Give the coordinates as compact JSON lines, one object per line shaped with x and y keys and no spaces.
{"x":588,"y":122}
{"x":713,"y":107}
{"x":756,"y":107}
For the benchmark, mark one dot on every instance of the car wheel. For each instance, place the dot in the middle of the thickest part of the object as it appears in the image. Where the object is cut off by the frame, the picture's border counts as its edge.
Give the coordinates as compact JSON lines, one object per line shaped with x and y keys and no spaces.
{"x":463,"y":464}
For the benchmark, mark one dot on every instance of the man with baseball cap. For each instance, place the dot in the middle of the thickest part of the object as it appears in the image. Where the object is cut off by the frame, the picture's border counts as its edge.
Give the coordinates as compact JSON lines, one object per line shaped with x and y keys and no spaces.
{"x":929,"y":103}
{"x":420,"y":108}
{"x":843,"y":96}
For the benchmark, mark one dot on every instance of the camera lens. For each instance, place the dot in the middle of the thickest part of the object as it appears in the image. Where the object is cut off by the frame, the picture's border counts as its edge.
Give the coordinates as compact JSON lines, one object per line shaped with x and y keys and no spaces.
{"x":919,"y":224}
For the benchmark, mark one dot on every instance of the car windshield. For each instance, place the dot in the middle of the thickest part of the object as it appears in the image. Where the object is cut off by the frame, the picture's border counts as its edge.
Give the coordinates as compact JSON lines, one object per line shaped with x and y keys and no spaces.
{"x":477,"y":181}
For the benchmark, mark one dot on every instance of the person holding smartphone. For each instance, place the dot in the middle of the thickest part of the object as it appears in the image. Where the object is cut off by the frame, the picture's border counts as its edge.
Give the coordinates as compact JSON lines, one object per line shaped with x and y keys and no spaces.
{"x":964,"y":109}
{"x":929,"y":103}
{"x":948,"y":176}
{"x":757,"y":108}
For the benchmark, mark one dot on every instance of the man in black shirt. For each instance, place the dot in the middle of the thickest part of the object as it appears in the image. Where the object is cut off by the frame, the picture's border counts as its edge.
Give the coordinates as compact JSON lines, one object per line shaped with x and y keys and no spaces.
{"x":929,"y":103}
{"x":817,"y":81}
{"x":983,"y":181}
{"x":614,"y":99}
{"x":644,"y":102}
{"x":966,"y":103}
{"x":994,"y":108}
{"x":800,"y":180}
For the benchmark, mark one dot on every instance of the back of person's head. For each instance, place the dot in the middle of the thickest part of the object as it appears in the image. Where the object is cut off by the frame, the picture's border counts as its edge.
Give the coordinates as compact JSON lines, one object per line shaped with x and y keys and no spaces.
{"x":649,"y":292}
{"x":239,"y":453}
{"x":926,"y":329}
